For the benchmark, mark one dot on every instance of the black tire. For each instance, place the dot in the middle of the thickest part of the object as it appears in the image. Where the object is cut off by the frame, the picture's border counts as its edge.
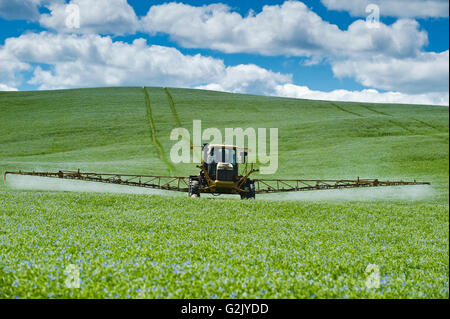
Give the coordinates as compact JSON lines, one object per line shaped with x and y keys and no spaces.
{"x":194,"y":188}
{"x":252,"y":192}
{"x":250,"y":187}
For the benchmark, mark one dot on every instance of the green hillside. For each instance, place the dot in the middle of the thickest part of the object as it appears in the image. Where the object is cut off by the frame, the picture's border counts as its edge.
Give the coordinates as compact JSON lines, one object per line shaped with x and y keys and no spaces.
{"x":108,"y":130}
{"x":159,"y":247}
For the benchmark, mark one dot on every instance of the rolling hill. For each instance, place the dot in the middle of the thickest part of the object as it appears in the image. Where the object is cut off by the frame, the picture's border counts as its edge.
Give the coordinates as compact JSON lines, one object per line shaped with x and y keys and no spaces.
{"x":108,"y":130}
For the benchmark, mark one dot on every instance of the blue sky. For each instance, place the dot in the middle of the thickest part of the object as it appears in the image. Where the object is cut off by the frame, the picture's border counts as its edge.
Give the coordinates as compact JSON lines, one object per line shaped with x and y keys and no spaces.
{"x":322,"y":49}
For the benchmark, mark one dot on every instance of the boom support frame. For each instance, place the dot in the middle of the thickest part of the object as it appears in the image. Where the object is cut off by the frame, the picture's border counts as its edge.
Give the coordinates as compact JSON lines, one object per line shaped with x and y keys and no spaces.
{"x":181,"y":184}
{"x":267,"y":186}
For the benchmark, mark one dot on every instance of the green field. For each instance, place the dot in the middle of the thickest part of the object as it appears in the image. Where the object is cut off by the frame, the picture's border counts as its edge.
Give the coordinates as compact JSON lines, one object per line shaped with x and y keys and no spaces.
{"x":314,"y":245}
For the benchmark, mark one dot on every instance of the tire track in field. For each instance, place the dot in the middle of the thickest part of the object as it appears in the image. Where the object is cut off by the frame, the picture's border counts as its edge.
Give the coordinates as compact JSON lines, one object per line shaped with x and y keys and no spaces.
{"x":155,"y":141}
{"x":172,"y":107}
{"x":427,"y":124}
{"x":443,"y":138}
{"x":417,"y":133}
{"x":404,"y":127}
{"x":386,"y":114}
{"x":175,"y":114}
{"x":430,"y":134}
{"x":344,"y":110}
{"x":375,"y":111}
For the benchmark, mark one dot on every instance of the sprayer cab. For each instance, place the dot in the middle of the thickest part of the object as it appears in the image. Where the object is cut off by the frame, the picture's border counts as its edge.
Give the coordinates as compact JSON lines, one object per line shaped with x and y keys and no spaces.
{"x":221,"y":162}
{"x":219,"y":172}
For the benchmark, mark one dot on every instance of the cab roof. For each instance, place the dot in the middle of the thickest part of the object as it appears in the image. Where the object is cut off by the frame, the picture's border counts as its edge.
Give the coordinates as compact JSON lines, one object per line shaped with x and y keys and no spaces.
{"x":221,"y":146}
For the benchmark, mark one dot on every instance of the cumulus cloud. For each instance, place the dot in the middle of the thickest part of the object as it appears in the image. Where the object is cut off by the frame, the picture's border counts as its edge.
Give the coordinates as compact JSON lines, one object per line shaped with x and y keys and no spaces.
{"x":289,"y":29}
{"x":393,"y":8}
{"x":101,"y":16}
{"x":93,"y":60}
{"x":369,"y":95}
{"x":19,"y":9}
{"x":427,"y":72}
{"x":389,"y":57}
{"x":248,"y":79}
{"x":68,"y":61}
{"x":4,"y":87}
{"x":10,"y":68}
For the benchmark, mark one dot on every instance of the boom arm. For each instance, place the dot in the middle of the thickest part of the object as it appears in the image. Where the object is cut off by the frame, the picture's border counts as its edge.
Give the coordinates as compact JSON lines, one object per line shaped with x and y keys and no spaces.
{"x":181,"y":184}
{"x":265,"y":186}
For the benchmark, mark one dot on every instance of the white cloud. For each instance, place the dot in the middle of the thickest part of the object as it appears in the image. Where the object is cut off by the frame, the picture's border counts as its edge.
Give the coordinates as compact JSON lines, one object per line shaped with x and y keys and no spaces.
{"x":393,"y":8}
{"x":10,"y":68}
{"x":19,"y":9}
{"x":93,"y":60}
{"x":4,"y":87}
{"x":370,"y":96}
{"x":428,"y":72}
{"x":389,"y":57}
{"x":23,"y":9}
{"x":248,"y":79}
{"x":99,"y":16}
{"x":289,"y":29}
{"x":68,"y":61}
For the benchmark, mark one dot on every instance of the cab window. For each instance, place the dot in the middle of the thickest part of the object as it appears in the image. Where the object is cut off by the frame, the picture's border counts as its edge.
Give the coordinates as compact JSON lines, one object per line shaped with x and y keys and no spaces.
{"x":224,"y":155}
